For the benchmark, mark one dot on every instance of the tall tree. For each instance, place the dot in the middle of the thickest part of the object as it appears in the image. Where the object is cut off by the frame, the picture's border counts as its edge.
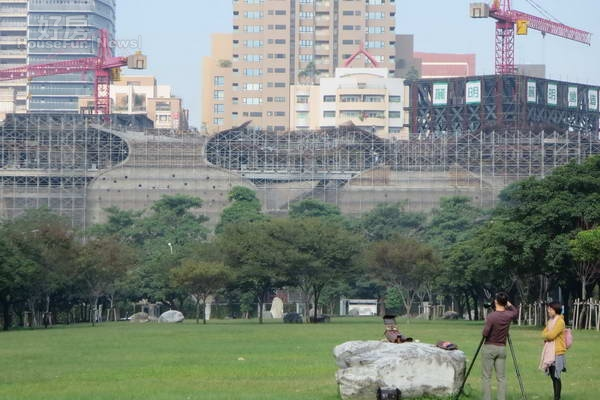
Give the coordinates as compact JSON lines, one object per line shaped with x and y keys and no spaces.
{"x":201,"y":280}
{"x":326,"y":252}
{"x":257,"y":256}
{"x":536,"y":218}
{"x":314,"y":208}
{"x":389,"y":219}
{"x":102,"y":264}
{"x":16,"y":272}
{"x":244,"y":207}
{"x":405,"y":263}
{"x":48,"y":241}
{"x":586,"y":250}
{"x":163,"y":236}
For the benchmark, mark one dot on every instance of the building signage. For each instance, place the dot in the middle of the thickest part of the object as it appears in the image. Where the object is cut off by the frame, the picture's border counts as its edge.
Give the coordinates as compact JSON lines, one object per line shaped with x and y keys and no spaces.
{"x":552,"y":94}
{"x":572,"y":97}
{"x":440,"y":94}
{"x":593,"y":100}
{"x":473,"y":92}
{"x":531,"y":92}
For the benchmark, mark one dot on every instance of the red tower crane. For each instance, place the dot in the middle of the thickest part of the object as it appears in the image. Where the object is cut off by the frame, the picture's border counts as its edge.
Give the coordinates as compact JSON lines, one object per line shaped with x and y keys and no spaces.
{"x":101,"y":65}
{"x":506,"y":19}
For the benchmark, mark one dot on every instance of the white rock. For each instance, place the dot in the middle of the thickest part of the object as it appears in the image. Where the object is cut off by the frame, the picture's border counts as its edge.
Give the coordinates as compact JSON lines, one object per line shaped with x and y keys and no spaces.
{"x":171,"y":317}
{"x":417,"y":369}
{"x":277,"y":308}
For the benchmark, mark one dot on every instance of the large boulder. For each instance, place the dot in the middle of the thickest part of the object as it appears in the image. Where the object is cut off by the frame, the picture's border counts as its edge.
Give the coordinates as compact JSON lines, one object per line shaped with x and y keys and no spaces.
{"x":171,"y":317}
{"x":417,"y":369}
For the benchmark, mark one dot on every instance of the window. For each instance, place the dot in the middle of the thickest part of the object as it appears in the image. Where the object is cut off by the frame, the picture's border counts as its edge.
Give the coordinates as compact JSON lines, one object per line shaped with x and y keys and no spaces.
{"x":374,"y":44}
{"x":254,"y":1}
{"x":253,"y":28}
{"x":373,"y":98}
{"x":251,"y":86}
{"x":280,"y":113}
{"x":219,"y":81}
{"x":395,"y":99}
{"x":252,"y":72}
{"x":218,"y":121}
{"x":395,"y":114}
{"x":306,"y":43}
{"x":328,"y":114}
{"x":375,"y":15}
{"x":218,"y":94}
{"x":350,"y":98}
{"x":251,"y":100}
{"x":253,"y":14}
{"x":279,"y":99}
{"x":252,"y":57}
{"x":219,"y":108}
{"x":256,"y":114}
{"x":305,"y":57}
{"x":306,"y":15}
{"x":253,"y":43}
{"x":302,"y":99}
{"x":279,"y":84}
{"x":329,"y":99}
{"x":376,"y":29}
{"x":348,"y":27}
{"x":305,"y":28}
{"x":395,"y":129}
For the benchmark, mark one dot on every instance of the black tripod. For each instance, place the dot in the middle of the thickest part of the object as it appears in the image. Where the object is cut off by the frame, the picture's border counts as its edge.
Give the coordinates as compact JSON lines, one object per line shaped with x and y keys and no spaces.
{"x":514,"y":357}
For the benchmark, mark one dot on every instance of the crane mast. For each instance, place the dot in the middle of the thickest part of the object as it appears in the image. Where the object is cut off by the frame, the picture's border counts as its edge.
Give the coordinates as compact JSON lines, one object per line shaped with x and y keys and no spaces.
{"x":101,"y":66}
{"x":506,"y":20}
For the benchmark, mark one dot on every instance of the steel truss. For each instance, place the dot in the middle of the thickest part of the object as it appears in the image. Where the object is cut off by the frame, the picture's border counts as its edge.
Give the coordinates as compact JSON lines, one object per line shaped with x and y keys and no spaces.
{"x":334,"y":160}
{"x":504,"y":106}
{"x":47,"y":160}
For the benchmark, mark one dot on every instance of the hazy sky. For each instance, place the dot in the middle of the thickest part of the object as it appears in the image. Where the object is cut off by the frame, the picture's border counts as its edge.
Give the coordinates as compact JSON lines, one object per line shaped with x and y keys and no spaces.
{"x":175,"y":35}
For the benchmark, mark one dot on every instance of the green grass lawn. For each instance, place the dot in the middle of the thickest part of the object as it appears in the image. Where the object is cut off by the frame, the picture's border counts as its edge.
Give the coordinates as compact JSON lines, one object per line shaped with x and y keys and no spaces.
{"x":243,"y":360}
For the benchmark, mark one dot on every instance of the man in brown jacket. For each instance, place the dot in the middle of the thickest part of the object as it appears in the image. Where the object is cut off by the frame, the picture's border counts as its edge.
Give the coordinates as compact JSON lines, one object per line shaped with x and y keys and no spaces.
{"x":493,"y":356}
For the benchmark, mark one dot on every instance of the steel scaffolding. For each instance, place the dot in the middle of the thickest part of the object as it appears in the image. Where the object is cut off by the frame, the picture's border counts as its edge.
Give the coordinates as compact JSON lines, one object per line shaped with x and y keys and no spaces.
{"x":336,"y":161}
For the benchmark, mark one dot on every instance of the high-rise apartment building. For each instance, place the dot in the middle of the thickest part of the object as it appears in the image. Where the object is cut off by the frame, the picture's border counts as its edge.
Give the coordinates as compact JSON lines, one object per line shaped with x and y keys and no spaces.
{"x":13,"y":53}
{"x":59,"y":31}
{"x":216,"y":85}
{"x":277,"y":43}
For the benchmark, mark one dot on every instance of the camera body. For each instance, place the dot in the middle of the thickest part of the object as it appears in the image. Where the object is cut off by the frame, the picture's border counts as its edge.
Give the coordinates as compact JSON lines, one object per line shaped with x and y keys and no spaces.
{"x":490,"y":304}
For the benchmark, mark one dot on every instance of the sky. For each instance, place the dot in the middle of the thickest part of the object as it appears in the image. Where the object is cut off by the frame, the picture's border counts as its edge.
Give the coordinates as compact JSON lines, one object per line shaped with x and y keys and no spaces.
{"x":175,"y":35}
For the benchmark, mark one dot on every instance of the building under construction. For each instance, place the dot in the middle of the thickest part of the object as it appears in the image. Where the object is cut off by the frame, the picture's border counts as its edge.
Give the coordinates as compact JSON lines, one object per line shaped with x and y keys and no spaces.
{"x":468,"y":137}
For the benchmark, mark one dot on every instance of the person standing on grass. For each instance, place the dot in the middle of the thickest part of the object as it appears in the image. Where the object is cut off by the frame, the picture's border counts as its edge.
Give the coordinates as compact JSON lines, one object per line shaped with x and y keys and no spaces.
{"x":553,"y":354}
{"x":493,"y":355}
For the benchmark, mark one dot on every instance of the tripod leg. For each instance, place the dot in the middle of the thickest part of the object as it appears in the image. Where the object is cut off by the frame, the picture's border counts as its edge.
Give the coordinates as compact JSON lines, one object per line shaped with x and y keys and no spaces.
{"x":514,"y":357}
{"x":462,"y":386}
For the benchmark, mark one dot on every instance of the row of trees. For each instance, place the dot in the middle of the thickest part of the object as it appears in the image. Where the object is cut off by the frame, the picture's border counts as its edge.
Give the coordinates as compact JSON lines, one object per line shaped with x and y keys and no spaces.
{"x":543,"y":234}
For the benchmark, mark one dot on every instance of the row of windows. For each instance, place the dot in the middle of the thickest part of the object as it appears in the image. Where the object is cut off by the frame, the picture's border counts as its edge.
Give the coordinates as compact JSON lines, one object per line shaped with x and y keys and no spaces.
{"x":358,"y":98}
{"x":257,"y":86}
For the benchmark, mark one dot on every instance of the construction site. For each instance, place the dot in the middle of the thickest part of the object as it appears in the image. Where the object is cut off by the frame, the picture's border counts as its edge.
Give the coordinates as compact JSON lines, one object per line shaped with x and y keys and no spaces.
{"x":468,"y":136}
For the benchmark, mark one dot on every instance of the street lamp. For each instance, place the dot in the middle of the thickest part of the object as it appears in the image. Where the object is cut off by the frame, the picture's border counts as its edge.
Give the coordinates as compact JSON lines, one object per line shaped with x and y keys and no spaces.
{"x":170,"y":247}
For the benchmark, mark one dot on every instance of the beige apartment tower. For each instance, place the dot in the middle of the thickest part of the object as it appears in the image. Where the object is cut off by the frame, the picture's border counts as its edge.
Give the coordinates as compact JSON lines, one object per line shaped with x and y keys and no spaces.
{"x":278,"y":43}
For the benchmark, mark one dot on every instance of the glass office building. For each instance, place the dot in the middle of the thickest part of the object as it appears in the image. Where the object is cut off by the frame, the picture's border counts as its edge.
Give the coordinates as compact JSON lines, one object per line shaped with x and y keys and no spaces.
{"x":60,"y":30}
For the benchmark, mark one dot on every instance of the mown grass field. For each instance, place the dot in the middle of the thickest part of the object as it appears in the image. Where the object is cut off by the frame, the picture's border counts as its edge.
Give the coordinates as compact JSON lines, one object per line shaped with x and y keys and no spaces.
{"x":243,"y":360}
